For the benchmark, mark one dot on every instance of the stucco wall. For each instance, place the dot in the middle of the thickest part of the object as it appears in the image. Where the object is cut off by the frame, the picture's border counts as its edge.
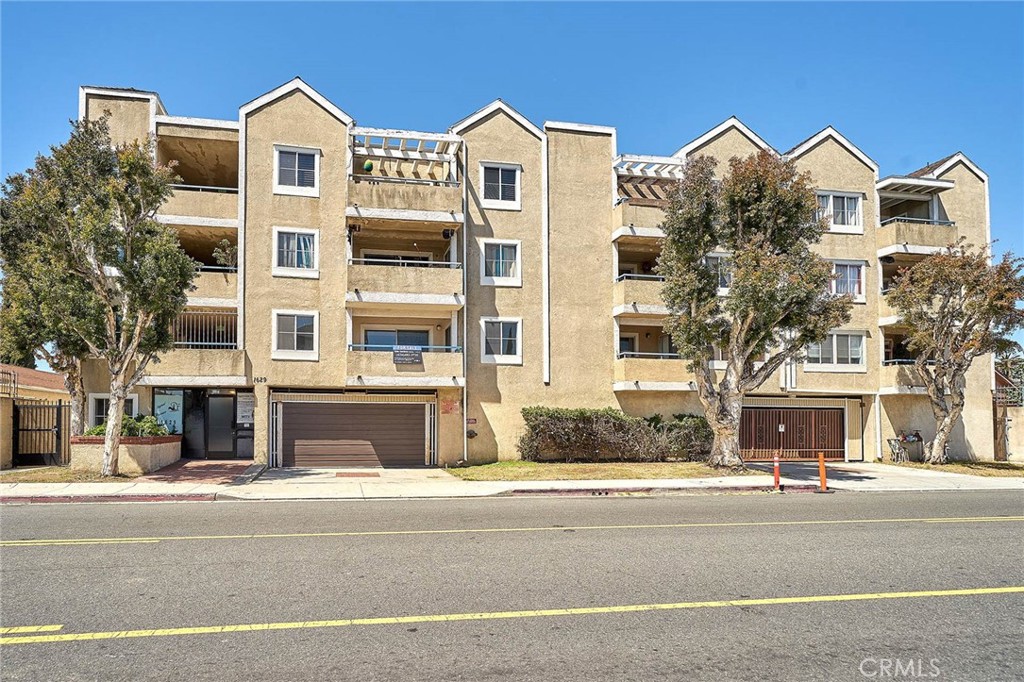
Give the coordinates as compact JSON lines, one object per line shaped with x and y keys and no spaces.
{"x":135,"y":456}
{"x":129,"y":118}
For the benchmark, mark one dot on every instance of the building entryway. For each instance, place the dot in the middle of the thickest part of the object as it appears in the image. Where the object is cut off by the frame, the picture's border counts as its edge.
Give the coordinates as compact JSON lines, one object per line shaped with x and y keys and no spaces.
{"x":215,"y":423}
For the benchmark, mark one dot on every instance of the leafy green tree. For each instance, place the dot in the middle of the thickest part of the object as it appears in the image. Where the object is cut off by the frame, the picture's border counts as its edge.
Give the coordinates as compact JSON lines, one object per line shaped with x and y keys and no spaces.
{"x":32,"y":321}
{"x":958,"y":308}
{"x":115,"y":276}
{"x":762,"y":214}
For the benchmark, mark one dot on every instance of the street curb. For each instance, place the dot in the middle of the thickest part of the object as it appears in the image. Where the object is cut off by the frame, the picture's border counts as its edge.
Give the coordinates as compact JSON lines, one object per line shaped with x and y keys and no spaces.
{"x":251,"y":473}
{"x":600,"y":492}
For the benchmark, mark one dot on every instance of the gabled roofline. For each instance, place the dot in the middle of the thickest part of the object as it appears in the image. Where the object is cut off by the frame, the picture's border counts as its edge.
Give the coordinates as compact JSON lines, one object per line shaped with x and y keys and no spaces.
{"x":127,"y":93}
{"x":579,"y":127}
{"x":823,"y":135}
{"x":289,"y":87}
{"x":959,"y":157}
{"x":730,"y":123}
{"x":496,"y":105}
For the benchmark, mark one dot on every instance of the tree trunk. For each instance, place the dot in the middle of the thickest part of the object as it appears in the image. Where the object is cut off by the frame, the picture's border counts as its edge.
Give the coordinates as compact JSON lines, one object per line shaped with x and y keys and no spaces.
{"x":725,"y":423}
{"x":935,"y":451}
{"x":76,"y":388}
{"x":112,"y":436}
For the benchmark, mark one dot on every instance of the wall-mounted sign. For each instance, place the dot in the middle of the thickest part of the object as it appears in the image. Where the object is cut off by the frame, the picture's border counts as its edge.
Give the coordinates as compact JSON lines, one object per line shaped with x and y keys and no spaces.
{"x":245,"y":408}
{"x":407,"y":355}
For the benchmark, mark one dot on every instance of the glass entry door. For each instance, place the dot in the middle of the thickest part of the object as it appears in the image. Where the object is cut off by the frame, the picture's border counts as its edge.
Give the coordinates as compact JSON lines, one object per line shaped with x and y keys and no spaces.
{"x":220,"y":425}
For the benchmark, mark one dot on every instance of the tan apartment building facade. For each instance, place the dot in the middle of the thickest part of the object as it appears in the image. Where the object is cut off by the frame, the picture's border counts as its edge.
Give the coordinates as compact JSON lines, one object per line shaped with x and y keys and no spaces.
{"x":399,"y":296}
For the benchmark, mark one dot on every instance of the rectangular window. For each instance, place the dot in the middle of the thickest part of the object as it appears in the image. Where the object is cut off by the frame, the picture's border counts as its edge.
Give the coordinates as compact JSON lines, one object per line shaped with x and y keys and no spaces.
{"x":296,"y":171}
{"x":843,"y":212}
{"x":720,"y":267}
{"x":295,"y":335}
{"x":501,"y":341}
{"x":837,"y":350}
{"x":100,"y":404}
{"x":627,"y":344}
{"x":501,"y":185}
{"x":849,"y":280}
{"x":500,"y":263}
{"x":295,"y":253}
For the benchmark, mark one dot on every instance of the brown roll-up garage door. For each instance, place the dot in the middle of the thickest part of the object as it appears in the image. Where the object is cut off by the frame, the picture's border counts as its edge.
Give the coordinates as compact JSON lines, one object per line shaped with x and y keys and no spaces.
{"x":352,"y":434}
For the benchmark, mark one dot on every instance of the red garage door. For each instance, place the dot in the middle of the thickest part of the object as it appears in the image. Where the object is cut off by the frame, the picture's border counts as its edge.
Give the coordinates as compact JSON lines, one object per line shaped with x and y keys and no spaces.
{"x":808,"y":431}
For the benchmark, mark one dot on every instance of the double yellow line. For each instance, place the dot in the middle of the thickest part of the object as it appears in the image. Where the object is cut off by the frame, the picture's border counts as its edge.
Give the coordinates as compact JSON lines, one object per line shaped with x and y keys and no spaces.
{"x":487,"y":615}
{"x":52,"y":542}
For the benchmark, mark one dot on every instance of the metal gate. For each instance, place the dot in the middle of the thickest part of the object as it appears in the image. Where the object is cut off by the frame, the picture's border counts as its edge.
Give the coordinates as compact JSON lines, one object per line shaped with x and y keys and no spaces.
{"x":806,"y":432}
{"x":41,"y":433}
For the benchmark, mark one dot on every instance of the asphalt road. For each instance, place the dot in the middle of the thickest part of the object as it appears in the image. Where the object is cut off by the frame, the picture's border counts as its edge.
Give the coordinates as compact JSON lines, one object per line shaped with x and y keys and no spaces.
{"x":309,"y":591}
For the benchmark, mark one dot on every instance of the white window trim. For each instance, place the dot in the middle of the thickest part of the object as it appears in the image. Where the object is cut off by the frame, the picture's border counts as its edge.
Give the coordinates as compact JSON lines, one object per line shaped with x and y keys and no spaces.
{"x":309,"y":355}
{"x":862,"y":297}
{"x":131,"y":397}
{"x":516,"y":359}
{"x":313,"y":191}
{"x":835,"y":368}
{"x":303,"y":273}
{"x":430,"y":329}
{"x":844,"y":229}
{"x":498,"y":204}
{"x":486,"y":281}
{"x":721,"y":291}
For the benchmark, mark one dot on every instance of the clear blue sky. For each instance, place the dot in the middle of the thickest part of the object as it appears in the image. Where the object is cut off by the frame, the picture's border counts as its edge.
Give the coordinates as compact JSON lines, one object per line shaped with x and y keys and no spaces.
{"x":908,"y":83}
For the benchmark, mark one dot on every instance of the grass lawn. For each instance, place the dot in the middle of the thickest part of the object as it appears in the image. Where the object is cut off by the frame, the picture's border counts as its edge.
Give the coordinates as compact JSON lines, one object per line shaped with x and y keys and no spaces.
{"x":56,"y":475}
{"x":560,"y":471}
{"x":972,"y":468}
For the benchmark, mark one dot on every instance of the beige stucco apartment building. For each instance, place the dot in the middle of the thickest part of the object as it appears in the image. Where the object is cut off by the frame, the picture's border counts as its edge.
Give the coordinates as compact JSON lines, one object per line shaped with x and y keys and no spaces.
{"x":399,"y":296}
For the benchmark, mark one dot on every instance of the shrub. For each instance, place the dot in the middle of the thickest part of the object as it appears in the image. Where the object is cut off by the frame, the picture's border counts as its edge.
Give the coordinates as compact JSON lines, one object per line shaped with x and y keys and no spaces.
{"x":592,"y":435}
{"x":131,"y":426}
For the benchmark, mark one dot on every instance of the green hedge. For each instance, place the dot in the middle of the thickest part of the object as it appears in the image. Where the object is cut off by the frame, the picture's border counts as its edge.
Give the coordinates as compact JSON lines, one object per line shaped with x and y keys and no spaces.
{"x":130,"y":426}
{"x":593,"y":435}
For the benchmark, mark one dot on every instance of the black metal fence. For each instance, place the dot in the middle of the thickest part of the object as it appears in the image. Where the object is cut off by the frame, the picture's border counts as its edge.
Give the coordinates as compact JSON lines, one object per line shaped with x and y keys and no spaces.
{"x":42,"y":433}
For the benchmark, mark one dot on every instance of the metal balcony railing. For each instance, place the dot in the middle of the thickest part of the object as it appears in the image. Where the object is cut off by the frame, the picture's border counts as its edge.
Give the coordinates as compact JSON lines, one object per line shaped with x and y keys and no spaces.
{"x":634,"y":276}
{"x":385,"y":348}
{"x":396,"y":262}
{"x":377,"y":179}
{"x":646,"y":356}
{"x":206,"y":330}
{"x":918,"y":221}
{"x":203,"y":267}
{"x":206,"y":188}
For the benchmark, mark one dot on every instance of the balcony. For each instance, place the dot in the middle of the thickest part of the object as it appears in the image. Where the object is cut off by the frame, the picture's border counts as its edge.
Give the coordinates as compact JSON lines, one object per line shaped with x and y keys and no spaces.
{"x":375,"y":366}
{"x":215,"y":281}
{"x":636,"y":371}
{"x":419,"y":277}
{"x":630,"y":214}
{"x":404,"y":175}
{"x":201,"y":201}
{"x":899,"y":376}
{"x":208,"y":329}
{"x":900,"y":234}
{"x":643,"y":290}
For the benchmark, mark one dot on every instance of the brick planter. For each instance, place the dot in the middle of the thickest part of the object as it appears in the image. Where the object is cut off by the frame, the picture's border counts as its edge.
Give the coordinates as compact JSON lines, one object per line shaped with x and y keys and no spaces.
{"x":136,"y":455}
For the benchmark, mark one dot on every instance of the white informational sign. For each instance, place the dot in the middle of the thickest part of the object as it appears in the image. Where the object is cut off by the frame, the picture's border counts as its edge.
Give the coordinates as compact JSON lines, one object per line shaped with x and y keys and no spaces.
{"x":245,"y":411}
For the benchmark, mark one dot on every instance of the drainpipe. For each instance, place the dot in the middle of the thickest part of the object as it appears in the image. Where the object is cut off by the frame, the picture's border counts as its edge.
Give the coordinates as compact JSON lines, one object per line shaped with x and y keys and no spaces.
{"x":878,"y":427}
{"x":465,"y":300}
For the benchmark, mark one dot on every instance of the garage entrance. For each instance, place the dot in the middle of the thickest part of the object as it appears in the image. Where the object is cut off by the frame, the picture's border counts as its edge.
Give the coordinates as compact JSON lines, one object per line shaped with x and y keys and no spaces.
{"x":335,"y":432}
{"x":807,"y":431}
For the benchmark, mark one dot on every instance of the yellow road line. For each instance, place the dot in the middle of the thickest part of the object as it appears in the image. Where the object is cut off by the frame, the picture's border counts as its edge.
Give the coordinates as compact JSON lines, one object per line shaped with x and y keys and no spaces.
{"x":44,"y":542}
{"x":498,"y":615}
{"x":29,"y":628}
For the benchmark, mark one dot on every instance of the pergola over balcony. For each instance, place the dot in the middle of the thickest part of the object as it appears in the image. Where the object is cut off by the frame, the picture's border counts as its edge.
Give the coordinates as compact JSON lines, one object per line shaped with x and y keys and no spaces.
{"x":407,"y":156}
{"x":647,"y":180}
{"x":911,"y":199}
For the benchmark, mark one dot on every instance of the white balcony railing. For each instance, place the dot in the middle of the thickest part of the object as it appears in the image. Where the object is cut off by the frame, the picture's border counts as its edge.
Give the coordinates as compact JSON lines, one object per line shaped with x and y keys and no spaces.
{"x":202,"y":329}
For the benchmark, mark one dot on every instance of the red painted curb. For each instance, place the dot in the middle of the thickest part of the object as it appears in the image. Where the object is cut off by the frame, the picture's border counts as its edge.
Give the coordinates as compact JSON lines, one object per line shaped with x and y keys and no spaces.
{"x":64,"y":499}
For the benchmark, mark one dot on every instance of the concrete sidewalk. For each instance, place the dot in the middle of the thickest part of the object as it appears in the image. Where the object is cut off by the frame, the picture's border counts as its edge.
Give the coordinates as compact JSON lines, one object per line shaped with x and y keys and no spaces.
{"x":348,"y":484}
